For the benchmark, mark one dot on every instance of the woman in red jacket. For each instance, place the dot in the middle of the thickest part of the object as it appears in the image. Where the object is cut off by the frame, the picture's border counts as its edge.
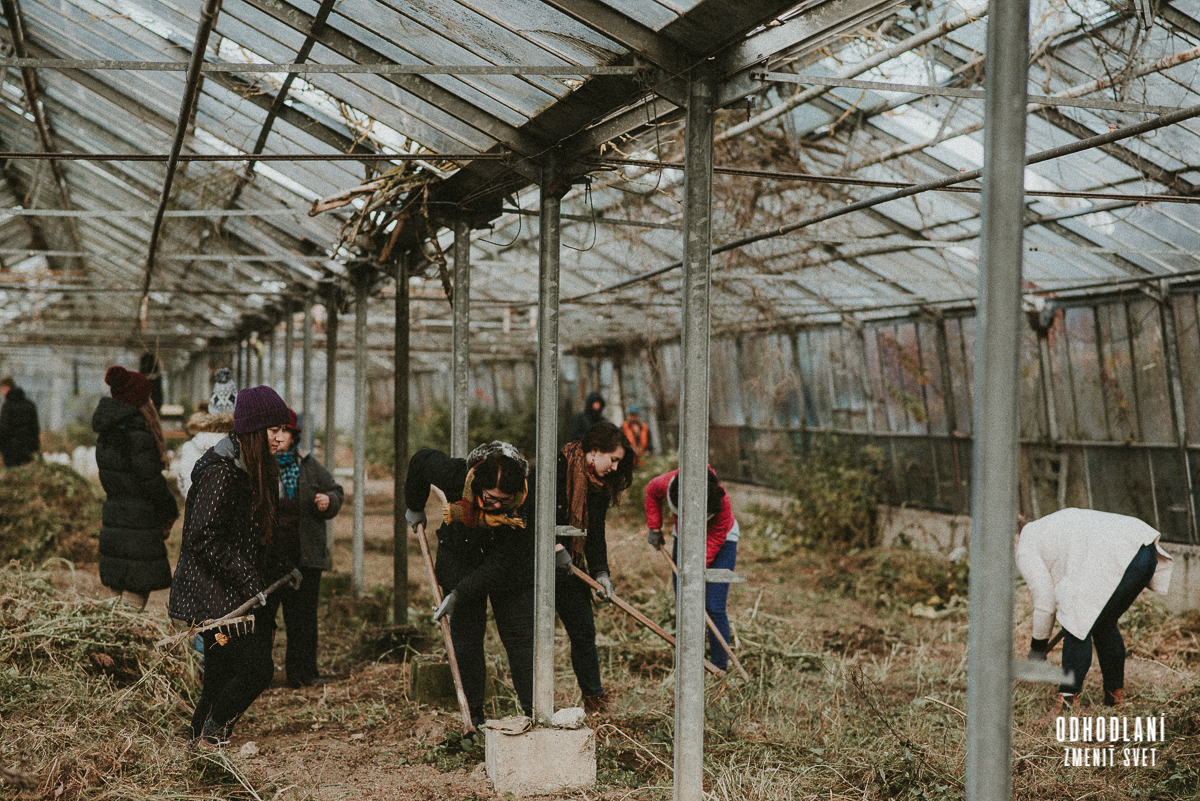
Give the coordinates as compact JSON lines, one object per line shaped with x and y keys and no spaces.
{"x":721,"y":551}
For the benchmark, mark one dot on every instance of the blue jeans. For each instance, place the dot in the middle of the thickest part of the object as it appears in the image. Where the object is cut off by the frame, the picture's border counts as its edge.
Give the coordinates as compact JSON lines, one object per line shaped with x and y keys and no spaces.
{"x":573,"y":602}
{"x":1110,"y":647}
{"x":715,"y":595}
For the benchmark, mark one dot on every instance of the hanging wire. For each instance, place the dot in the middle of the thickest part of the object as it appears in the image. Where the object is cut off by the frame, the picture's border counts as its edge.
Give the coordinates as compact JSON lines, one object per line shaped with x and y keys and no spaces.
{"x":520,"y":226}
{"x":591,"y":205}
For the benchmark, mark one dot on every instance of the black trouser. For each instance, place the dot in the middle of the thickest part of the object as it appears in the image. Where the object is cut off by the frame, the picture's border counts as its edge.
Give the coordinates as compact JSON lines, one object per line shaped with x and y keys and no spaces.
{"x":573,"y":602}
{"x":235,"y":674}
{"x":514,"y":622}
{"x":300,"y":621}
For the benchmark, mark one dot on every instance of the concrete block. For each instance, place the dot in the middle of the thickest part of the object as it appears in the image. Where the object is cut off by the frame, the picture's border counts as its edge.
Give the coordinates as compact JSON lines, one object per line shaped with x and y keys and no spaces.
{"x":540,"y":761}
{"x":431,"y":682}
{"x":1184,"y":592}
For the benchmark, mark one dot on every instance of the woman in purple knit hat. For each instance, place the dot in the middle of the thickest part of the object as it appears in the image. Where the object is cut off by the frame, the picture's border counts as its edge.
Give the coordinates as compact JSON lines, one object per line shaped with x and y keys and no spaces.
{"x":228,"y":520}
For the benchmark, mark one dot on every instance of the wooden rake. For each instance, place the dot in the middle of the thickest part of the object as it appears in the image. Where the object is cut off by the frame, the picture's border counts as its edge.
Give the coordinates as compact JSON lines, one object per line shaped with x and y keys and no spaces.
{"x":712,"y":627}
{"x":237,"y":621}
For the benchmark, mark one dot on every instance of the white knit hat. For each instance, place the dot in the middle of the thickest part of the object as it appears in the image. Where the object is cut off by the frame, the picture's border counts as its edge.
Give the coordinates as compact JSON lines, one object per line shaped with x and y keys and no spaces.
{"x":496,"y":446}
{"x":224,"y":393}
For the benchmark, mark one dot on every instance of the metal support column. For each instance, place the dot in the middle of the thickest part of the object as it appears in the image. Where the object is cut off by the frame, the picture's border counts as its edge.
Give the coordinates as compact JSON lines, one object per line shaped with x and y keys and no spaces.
{"x":308,"y":407}
{"x":1170,"y":333}
{"x":272,"y":352}
{"x":693,"y":435}
{"x":362,"y":287}
{"x":289,"y":344}
{"x":400,"y":446}
{"x":238,"y":376}
{"x":461,"y":357}
{"x":995,"y":453}
{"x":550,"y":233}
{"x":331,"y":357}
{"x":258,"y":359}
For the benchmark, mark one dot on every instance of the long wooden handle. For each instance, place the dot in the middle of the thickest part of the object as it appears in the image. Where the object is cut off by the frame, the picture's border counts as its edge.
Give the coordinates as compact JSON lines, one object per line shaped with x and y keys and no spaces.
{"x":712,"y":627}
{"x":463,"y":706}
{"x":638,"y":616}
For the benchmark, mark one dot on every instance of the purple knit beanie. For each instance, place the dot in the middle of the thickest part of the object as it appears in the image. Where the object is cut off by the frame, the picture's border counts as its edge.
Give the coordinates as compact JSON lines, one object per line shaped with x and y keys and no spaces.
{"x":257,"y":408}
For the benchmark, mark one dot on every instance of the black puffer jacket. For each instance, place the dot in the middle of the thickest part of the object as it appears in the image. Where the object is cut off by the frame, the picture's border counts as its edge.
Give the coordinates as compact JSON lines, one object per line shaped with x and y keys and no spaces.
{"x":139,"y":504}
{"x":19,"y":433}
{"x":470,"y":561}
{"x":223,"y":561}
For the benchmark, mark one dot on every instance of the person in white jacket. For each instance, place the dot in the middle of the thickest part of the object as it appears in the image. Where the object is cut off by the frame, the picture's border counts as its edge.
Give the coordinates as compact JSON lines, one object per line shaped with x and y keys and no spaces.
{"x":1087,"y":568}
{"x":207,"y":427}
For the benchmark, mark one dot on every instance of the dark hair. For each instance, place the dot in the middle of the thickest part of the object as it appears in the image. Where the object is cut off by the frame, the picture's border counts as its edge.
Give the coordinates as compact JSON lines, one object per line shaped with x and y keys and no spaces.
{"x":264,"y":478}
{"x":606,"y":437}
{"x":498,"y":471}
{"x":7,"y":381}
{"x":716,"y":493}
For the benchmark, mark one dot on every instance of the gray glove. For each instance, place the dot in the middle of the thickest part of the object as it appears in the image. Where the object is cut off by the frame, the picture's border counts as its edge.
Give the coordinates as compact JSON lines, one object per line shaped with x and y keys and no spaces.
{"x":602,"y":580}
{"x":262,"y":598}
{"x":446,"y":609}
{"x":655,"y":539}
{"x":562,"y":562}
{"x":415,"y":518}
{"x":297,"y":578}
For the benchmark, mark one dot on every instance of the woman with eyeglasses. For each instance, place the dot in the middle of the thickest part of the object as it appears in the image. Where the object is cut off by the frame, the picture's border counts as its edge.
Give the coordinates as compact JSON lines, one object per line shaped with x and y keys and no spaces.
{"x":485,"y":550}
{"x":592,"y":474}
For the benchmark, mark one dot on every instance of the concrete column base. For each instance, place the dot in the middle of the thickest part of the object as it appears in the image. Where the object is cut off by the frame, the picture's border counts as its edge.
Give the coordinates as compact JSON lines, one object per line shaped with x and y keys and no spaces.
{"x":538,"y":761}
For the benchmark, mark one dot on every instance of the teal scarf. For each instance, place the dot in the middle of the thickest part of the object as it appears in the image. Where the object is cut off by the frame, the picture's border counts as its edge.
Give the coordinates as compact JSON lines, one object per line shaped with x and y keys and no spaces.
{"x":289,"y":471}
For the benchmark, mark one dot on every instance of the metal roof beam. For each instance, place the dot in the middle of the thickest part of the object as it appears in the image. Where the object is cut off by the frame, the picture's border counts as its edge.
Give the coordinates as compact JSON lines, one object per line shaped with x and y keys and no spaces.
{"x":415,"y":85}
{"x":646,"y":42}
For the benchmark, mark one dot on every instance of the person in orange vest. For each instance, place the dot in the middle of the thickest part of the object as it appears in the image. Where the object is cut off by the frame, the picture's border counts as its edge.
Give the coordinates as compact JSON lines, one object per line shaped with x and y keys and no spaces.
{"x":637,"y":433}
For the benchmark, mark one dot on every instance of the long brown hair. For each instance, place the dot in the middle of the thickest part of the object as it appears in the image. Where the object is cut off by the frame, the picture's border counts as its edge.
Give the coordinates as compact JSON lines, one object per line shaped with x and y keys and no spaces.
{"x":154,"y":426}
{"x":264,"y":478}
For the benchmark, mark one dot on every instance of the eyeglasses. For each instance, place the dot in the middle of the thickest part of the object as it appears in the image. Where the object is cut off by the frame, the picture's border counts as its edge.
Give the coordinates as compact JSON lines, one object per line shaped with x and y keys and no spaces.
{"x":488,"y":499}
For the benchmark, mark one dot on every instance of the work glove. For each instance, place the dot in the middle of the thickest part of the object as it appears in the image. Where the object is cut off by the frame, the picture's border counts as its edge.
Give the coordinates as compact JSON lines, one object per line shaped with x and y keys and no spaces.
{"x":655,"y":539}
{"x":562,"y":562}
{"x":446,"y":609}
{"x":262,"y":598}
{"x":415,"y":518}
{"x":1038,"y":650}
{"x":603,"y":581}
{"x":297,"y":578}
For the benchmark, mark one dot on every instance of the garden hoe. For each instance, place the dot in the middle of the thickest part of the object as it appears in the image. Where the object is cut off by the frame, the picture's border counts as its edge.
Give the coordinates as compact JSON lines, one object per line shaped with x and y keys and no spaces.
{"x":237,"y":621}
{"x":463,"y":706}
{"x":712,"y":627}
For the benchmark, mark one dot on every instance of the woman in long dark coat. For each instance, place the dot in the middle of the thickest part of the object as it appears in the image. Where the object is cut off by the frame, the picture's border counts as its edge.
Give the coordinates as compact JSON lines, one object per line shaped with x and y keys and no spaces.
{"x":139,"y":509}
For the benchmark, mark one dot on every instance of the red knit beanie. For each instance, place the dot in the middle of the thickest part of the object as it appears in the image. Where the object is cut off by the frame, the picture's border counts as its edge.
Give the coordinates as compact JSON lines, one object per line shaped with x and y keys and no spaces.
{"x":293,"y":423}
{"x":127,"y":386}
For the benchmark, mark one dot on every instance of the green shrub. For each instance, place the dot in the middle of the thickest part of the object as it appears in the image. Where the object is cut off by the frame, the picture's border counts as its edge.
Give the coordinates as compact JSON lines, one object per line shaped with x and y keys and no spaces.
{"x":835,"y":499}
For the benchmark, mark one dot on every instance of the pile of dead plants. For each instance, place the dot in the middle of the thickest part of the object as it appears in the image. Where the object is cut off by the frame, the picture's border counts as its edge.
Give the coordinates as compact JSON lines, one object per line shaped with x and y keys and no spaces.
{"x":48,"y":509}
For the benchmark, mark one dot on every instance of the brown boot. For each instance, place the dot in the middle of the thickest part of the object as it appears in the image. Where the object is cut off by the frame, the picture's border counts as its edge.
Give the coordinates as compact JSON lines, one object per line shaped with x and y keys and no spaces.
{"x":1114,"y":697}
{"x":595,"y":704}
{"x":1065,"y":704}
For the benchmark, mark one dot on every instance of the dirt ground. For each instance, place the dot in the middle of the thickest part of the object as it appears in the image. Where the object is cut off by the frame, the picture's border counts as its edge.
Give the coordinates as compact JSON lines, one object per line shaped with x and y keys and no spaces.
{"x":362,"y":737}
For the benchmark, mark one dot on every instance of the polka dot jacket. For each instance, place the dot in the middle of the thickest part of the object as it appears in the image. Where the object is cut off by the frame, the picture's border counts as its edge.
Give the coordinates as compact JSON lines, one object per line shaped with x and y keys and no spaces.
{"x":222,"y":561}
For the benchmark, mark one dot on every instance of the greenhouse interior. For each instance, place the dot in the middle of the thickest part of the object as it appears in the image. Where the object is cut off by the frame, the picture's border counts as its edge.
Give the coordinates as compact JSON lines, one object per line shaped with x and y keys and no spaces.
{"x":806,"y":243}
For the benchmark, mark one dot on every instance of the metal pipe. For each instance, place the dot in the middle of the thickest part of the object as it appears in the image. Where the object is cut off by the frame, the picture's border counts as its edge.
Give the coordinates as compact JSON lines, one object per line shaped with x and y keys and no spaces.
{"x":331,"y":357}
{"x":400,"y":412}
{"x":289,"y":345}
{"x":549,"y":242}
{"x":994,"y":500}
{"x":191,"y":92}
{"x":189,"y":157}
{"x":693,"y":436}
{"x":258,"y":358}
{"x":969,"y":15}
{"x":299,"y":67}
{"x":237,"y":375}
{"x":461,"y":355}
{"x":917,"y":189}
{"x":306,"y":376}
{"x":362,"y":287}
{"x":272,"y":353}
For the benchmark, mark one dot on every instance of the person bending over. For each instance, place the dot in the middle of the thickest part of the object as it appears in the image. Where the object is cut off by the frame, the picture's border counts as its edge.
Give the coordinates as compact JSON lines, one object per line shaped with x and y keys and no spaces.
{"x":485,"y":550}
{"x":1086,"y":568}
{"x":721,"y":550}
